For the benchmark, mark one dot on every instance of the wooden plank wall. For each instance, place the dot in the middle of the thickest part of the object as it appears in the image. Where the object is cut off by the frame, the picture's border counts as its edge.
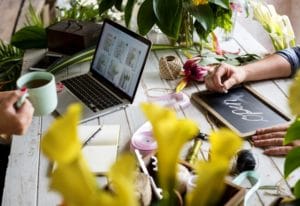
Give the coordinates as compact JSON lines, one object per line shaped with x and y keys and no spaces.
{"x":9,"y":14}
{"x":13,"y":14}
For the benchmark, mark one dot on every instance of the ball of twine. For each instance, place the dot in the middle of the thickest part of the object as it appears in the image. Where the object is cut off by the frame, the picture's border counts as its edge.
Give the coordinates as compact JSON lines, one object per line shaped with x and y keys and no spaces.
{"x":169,"y":67}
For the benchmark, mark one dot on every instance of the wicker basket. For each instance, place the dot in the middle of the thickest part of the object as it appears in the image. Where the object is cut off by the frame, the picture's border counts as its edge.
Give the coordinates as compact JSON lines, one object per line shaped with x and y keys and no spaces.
{"x":169,"y":67}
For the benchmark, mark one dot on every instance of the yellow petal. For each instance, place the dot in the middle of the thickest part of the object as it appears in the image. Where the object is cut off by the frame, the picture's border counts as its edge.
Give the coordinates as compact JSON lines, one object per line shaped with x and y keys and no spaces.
{"x":182,"y":84}
{"x":224,"y":143}
{"x":76,"y":183}
{"x":209,"y":184}
{"x":171,"y":133}
{"x":122,"y":175}
{"x":61,"y":143}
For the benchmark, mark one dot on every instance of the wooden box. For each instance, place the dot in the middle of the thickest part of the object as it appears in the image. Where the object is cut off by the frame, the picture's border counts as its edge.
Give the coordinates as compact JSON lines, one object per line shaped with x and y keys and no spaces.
{"x":70,"y":36}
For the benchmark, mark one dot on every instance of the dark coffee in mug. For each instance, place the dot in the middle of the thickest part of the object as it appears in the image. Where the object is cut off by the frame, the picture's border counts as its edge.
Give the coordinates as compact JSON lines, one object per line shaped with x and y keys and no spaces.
{"x":36,"y":83}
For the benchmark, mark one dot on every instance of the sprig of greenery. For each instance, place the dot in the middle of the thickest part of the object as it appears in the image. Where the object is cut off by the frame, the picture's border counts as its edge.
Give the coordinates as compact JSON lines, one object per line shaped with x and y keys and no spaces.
{"x":10,"y":65}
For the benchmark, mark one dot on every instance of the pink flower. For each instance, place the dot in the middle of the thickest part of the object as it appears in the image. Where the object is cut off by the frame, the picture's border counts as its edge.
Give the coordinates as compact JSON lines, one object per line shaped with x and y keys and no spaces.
{"x":192,"y":71}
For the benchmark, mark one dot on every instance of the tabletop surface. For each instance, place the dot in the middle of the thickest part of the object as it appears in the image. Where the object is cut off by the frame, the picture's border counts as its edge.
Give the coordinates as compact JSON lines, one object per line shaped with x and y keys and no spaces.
{"x":27,"y":182}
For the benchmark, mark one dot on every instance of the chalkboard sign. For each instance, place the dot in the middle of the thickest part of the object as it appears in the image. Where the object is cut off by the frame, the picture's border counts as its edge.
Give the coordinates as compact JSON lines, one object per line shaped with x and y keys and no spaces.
{"x":241,"y":109}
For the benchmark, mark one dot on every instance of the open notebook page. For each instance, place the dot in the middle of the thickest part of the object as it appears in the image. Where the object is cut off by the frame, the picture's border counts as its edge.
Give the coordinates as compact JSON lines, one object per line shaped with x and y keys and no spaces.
{"x":101,"y":151}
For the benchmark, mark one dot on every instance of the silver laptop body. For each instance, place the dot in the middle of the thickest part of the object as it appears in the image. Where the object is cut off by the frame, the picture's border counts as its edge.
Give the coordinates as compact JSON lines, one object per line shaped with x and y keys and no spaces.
{"x":117,"y":66}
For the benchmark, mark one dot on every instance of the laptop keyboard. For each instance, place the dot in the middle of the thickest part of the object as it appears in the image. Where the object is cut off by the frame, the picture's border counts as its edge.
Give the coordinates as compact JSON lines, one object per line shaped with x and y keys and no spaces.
{"x":95,"y":96}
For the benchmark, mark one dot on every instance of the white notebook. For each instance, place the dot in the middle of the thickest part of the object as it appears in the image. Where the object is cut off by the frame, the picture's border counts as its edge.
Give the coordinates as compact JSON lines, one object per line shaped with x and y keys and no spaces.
{"x":101,"y":151}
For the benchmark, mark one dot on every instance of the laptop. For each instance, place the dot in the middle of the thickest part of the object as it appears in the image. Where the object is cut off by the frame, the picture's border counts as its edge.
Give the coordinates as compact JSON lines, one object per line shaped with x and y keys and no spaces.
{"x":114,"y":74}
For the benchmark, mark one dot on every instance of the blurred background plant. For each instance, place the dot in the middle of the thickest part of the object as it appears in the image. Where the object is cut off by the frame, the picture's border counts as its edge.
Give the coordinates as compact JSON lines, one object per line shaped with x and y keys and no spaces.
{"x":278,"y":26}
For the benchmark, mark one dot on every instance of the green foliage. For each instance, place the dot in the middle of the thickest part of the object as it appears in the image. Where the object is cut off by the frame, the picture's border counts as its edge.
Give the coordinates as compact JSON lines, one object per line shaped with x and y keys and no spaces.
{"x":30,"y":37}
{"x":128,"y":10}
{"x":82,"y":56}
{"x":146,"y":17}
{"x":292,"y":132}
{"x":10,"y":65}
{"x":33,"y":19}
{"x":167,"y":15}
{"x":292,"y":159}
{"x":233,"y":59}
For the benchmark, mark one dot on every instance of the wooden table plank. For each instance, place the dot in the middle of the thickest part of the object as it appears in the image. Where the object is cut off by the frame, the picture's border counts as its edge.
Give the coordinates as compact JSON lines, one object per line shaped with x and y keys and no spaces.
{"x":21,"y":176}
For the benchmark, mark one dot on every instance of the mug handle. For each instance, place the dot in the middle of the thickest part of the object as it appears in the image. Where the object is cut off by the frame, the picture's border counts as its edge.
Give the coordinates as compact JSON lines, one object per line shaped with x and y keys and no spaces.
{"x":253,"y":178}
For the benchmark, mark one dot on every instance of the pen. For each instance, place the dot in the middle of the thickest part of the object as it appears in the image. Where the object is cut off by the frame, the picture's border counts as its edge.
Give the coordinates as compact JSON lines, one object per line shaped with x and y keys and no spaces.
{"x":22,"y":99}
{"x":92,"y":136}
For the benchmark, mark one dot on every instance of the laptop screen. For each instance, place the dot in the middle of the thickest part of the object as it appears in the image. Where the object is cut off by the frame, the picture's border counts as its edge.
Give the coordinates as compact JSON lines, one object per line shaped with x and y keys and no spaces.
{"x":120,"y":57}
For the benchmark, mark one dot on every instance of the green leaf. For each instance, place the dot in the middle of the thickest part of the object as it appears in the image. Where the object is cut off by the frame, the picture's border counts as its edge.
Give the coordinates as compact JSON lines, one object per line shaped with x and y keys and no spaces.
{"x":128,"y":11}
{"x":118,"y":5}
{"x":105,"y":5}
{"x":79,"y":57}
{"x":204,"y":15}
{"x":32,"y":18}
{"x":208,"y":60}
{"x":292,"y":161}
{"x":30,"y":37}
{"x":222,"y":3}
{"x":233,"y":62}
{"x":146,"y":17}
{"x":292,"y":132}
{"x":168,"y":14}
{"x":297,"y":189}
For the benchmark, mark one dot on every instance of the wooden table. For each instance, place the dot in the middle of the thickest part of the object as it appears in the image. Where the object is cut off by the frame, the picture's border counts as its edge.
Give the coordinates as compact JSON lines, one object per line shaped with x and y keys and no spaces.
{"x":26,"y":180}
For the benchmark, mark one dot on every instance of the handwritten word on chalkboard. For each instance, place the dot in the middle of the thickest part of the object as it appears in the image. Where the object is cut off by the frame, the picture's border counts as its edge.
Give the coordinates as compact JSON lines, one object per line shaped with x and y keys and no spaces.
{"x":241,"y":109}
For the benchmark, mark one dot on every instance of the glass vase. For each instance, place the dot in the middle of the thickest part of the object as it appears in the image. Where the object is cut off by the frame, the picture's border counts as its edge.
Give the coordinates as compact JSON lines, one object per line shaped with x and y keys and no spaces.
{"x":185,"y":37}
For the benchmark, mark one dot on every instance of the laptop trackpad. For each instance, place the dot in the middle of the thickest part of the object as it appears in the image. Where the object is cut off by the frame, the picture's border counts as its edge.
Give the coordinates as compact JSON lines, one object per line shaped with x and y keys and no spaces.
{"x":65,"y":99}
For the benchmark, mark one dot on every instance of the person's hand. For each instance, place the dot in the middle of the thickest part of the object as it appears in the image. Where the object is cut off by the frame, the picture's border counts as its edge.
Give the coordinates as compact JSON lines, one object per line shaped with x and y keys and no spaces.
{"x":271,"y":139}
{"x":14,"y":121}
{"x":223,"y":77}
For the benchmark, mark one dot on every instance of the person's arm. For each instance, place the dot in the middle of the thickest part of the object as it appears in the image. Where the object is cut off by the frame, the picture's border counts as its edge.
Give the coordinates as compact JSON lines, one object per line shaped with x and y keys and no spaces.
{"x":14,"y":121}
{"x":281,"y":64}
{"x":273,"y":66}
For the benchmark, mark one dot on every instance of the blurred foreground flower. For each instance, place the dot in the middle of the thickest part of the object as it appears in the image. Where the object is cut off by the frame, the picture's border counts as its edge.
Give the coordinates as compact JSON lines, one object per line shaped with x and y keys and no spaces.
{"x":191,"y":71}
{"x":72,"y":177}
{"x":211,"y":182}
{"x":171,"y":134}
{"x":278,"y":27}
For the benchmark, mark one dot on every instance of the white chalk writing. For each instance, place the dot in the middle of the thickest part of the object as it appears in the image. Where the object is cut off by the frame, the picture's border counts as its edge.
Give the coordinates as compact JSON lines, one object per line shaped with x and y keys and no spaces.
{"x":236,"y":104}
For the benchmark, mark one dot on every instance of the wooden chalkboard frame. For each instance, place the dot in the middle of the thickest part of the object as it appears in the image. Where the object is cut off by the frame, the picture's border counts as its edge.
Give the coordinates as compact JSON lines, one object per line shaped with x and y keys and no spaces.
{"x":196,"y":98}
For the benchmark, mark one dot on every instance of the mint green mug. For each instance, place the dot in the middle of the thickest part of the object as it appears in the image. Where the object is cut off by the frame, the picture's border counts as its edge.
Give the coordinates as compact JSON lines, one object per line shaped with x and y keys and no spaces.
{"x":42,"y":91}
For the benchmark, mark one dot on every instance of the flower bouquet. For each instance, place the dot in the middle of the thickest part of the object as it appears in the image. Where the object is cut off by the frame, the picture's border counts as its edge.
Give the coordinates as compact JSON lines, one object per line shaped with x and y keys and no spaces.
{"x":77,"y":185}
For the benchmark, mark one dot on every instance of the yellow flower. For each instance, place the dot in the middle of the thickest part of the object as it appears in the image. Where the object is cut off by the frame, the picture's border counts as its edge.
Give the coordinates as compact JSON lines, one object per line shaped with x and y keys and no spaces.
{"x":294,"y":95}
{"x":122,"y":175}
{"x":171,"y":133}
{"x":75,"y":182}
{"x":200,"y":2}
{"x":72,"y":177}
{"x":224,"y":144}
{"x":209,"y":184}
{"x":211,"y":175}
{"x":61,"y":143}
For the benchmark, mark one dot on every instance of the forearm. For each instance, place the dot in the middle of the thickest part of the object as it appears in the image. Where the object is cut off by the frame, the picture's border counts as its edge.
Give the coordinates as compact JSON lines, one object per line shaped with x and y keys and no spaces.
{"x":273,"y":66}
